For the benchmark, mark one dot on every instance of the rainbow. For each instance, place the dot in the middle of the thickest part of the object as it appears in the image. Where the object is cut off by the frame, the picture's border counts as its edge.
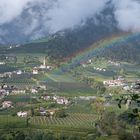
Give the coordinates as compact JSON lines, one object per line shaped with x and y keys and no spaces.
{"x":88,"y":53}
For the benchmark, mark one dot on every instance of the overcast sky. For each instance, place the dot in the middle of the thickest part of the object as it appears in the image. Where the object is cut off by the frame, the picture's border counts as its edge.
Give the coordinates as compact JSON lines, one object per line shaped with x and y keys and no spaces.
{"x":57,"y":15}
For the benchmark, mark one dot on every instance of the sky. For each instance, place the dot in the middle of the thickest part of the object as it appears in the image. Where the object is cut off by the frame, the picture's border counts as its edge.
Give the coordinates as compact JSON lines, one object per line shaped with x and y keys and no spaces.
{"x":56,"y":15}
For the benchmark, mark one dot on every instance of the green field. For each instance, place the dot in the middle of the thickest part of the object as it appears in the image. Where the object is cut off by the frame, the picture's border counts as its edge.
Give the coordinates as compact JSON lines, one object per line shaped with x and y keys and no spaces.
{"x":11,"y":122}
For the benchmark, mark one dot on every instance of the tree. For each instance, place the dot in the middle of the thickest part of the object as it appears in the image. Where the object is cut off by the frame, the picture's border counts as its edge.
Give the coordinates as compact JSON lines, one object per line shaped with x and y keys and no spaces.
{"x":61,"y":113}
{"x":32,"y":111}
{"x":132,"y":115}
{"x":27,"y":121}
{"x":98,"y":105}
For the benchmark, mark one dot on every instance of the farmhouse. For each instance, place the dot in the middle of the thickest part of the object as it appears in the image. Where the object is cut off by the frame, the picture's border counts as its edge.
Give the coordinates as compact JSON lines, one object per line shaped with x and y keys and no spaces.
{"x":22,"y":114}
{"x":7,"y":104}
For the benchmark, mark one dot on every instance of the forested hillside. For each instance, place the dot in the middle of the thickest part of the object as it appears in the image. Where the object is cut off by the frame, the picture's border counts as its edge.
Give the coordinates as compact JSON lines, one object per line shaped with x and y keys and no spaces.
{"x":65,"y":43}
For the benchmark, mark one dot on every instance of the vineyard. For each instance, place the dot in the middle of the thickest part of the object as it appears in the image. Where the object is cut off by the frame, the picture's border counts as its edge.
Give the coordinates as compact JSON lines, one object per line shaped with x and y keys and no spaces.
{"x":72,"y":121}
{"x":19,"y":82}
{"x":6,"y":68}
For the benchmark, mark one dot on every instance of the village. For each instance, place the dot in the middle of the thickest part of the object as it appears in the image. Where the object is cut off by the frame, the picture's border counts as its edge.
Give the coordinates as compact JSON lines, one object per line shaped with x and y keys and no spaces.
{"x":36,"y":96}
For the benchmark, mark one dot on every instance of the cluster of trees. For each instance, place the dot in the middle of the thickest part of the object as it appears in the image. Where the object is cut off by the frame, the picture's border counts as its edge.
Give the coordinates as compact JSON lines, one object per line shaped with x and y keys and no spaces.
{"x":37,"y":135}
{"x":111,"y":124}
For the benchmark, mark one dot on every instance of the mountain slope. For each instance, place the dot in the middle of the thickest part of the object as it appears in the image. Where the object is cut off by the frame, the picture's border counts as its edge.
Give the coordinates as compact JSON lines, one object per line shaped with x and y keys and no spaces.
{"x":66,"y":43}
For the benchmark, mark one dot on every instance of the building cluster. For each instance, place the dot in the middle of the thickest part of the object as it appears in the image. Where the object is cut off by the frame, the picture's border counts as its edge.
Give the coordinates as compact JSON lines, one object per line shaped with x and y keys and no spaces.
{"x":119,"y":81}
{"x":114,"y":63}
{"x":57,"y":99}
{"x":7,"y":104}
{"x":99,"y":69}
{"x":114,"y":83}
{"x":2,"y":63}
{"x":135,"y":87}
{"x":48,"y":112}
{"x":6,"y":90}
{"x":22,"y":114}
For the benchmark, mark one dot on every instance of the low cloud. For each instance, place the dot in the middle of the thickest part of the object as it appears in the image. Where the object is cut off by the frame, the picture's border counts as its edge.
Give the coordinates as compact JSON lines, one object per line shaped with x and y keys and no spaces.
{"x":11,"y":9}
{"x":127,"y":14}
{"x":37,"y":18}
{"x":68,"y":14}
{"x":55,"y":15}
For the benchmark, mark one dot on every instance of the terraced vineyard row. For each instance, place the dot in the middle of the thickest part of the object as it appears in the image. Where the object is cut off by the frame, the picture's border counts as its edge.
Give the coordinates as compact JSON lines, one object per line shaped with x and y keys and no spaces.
{"x":18,"y":80}
{"x":76,"y":121}
{"x":19,"y":83}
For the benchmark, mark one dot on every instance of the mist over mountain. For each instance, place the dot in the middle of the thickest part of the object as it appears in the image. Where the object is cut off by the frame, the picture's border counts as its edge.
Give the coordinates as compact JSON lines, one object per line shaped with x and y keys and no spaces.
{"x":25,"y":20}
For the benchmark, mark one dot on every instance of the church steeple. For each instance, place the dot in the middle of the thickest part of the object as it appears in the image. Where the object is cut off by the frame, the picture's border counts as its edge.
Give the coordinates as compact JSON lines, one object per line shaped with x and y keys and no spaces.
{"x":44,"y":61}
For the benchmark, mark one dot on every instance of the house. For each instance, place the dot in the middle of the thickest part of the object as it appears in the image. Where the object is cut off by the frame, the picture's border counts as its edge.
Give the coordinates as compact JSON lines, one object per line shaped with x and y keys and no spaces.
{"x":2,"y":75}
{"x":3,"y":91}
{"x":127,"y":88}
{"x":46,"y":97}
{"x":19,"y":72}
{"x":48,"y":67}
{"x":2,"y":63}
{"x":84,"y":65}
{"x":43,"y":113}
{"x":52,"y":111}
{"x":55,"y":97}
{"x":90,"y":61}
{"x":34,"y":90}
{"x":22,"y":114}
{"x":44,"y":87}
{"x":42,"y":67}
{"x":136,"y":87}
{"x":7,"y":104}
{"x":35,"y":72}
{"x":62,"y":101}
